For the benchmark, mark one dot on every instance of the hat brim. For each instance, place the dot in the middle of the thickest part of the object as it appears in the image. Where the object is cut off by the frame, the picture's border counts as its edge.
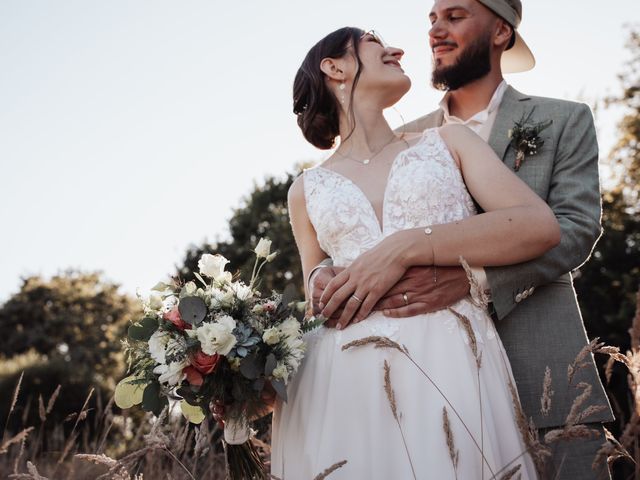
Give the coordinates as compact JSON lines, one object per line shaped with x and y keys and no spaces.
{"x":518,"y":58}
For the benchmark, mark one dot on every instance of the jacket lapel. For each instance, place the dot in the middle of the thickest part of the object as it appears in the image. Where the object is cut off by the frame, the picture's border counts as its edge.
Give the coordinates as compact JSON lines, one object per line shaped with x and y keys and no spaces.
{"x":510,"y":111}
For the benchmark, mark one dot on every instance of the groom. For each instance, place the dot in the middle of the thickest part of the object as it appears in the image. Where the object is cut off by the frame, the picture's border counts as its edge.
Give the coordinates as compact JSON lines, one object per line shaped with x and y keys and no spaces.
{"x":533,"y":303}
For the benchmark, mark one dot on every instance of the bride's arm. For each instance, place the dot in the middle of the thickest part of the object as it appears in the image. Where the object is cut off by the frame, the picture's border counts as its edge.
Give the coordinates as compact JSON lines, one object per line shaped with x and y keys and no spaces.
{"x":517,"y":226}
{"x":303,"y":232}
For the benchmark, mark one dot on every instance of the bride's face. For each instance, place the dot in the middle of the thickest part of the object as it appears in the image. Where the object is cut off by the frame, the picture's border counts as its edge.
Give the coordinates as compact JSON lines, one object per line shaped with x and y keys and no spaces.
{"x":382,"y":80}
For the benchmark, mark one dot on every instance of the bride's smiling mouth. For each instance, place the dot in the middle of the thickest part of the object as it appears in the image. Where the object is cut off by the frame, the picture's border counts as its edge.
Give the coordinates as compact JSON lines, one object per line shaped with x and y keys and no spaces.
{"x":393,"y":63}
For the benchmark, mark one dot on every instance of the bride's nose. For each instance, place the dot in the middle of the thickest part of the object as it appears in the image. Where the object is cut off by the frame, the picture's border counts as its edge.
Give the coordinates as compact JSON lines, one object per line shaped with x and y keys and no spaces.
{"x":395,"y":52}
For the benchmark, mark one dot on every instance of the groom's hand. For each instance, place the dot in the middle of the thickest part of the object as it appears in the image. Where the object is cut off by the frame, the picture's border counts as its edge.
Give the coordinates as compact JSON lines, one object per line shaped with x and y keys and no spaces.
{"x":319,"y":282}
{"x":422,"y":294}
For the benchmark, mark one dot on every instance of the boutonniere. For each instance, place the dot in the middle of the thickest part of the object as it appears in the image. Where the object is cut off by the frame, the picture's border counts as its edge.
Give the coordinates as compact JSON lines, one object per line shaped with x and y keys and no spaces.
{"x":525,"y":138}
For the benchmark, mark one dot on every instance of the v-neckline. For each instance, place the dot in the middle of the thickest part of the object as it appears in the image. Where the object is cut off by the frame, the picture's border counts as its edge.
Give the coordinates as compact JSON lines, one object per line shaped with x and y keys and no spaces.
{"x":380,"y":222}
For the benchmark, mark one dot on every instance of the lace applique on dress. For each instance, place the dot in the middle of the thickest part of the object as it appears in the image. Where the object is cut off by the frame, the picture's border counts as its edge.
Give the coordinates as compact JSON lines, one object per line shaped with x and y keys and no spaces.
{"x":424,"y":187}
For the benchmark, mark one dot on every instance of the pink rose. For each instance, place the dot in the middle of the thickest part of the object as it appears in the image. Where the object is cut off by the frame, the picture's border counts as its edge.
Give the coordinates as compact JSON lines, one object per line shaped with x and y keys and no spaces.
{"x":194,"y":377}
{"x":204,"y":363}
{"x":174,"y":317}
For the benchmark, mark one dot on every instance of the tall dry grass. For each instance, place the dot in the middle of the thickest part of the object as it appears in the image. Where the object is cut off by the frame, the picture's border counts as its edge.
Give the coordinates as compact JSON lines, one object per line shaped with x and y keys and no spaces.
{"x":97,"y":443}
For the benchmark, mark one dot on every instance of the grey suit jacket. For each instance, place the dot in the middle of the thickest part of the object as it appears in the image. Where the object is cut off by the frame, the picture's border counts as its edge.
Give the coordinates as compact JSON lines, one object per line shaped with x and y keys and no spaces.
{"x":534,"y":303}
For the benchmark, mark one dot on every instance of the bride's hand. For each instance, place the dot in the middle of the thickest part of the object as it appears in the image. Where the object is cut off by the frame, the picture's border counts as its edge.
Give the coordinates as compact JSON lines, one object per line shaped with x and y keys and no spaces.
{"x":365,"y":281}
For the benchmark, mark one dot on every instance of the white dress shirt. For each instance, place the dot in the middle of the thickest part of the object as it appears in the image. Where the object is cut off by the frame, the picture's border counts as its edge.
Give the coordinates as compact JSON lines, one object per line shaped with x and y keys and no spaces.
{"x":481,"y":123}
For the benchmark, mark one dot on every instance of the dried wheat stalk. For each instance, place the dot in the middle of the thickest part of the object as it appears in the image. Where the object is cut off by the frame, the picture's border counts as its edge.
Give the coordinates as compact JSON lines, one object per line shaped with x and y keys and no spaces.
{"x":454,"y":454}
{"x":547,"y":393}
{"x":330,"y":470}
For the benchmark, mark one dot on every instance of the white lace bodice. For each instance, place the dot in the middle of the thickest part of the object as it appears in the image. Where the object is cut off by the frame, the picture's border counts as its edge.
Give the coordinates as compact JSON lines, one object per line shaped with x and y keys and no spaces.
{"x":424,"y":187}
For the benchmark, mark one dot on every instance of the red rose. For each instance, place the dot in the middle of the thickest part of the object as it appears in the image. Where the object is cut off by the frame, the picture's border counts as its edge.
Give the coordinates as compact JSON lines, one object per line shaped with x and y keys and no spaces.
{"x":194,"y":377}
{"x":174,"y":317}
{"x":204,"y":363}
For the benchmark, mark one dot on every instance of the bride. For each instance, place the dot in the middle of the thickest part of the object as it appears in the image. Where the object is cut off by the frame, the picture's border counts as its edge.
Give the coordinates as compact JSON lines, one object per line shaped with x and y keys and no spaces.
{"x":442,"y":405}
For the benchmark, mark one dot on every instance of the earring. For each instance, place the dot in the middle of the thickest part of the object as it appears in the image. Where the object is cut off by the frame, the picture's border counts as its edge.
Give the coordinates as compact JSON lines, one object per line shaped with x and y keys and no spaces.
{"x":342,"y":88}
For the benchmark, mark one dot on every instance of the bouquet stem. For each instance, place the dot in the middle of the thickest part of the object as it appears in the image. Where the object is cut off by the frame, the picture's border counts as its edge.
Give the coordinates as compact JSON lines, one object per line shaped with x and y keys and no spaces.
{"x":243,"y":462}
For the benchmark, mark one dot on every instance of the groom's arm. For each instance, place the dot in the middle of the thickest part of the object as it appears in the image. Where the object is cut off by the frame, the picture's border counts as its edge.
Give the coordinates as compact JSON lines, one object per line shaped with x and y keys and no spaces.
{"x":574,"y":197}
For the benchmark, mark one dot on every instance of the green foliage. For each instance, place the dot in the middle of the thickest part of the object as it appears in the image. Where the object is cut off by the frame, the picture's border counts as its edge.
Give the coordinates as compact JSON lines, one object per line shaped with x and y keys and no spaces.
{"x":607,"y":284}
{"x":264,"y":214}
{"x":73,"y":324}
{"x":625,"y":157}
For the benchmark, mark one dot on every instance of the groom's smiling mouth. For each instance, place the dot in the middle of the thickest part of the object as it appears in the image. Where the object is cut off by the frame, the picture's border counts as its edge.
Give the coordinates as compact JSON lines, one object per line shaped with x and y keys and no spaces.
{"x":441,"y":48}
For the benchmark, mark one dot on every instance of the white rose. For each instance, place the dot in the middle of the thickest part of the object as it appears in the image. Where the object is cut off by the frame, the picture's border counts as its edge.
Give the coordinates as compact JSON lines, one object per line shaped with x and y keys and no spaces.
{"x":271,"y":336}
{"x":281,"y":372}
{"x":171,"y":374}
{"x":155,"y":301}
{"x":158,"y":344}
{"x":213,"y":266}
{"x":222,"y":298}
{"x":290,"y":327}
{"x":258,"y":309}
{"x":217,"y":337}
{"x":189,"y":288}
{"x":263,"y":248}
{"x":242,"y":291}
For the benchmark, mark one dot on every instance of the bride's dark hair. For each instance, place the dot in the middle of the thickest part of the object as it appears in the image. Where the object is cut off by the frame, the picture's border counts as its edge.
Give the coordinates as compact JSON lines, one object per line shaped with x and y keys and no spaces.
{"x":314,"y":103}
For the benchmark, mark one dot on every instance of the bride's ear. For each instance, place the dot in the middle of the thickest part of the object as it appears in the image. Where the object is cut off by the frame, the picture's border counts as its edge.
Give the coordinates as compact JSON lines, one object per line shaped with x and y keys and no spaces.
{"x":332,"y":68}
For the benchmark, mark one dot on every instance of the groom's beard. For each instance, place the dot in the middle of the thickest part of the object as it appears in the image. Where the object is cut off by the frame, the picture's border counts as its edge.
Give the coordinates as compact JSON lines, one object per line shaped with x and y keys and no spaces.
{"x":473,"y":63}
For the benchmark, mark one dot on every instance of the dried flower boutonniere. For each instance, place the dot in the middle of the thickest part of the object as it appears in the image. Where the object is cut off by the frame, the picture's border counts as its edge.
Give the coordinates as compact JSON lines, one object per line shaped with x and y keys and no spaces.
{"x":525,"y":138}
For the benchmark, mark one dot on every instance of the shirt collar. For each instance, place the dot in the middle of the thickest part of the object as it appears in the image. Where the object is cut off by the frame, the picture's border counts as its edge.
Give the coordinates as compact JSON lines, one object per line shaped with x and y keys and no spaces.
{"x":482,"y":115}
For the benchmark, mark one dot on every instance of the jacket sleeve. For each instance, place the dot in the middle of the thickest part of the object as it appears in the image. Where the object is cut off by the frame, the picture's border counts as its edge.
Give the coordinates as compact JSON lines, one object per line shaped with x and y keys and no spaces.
{"x":574,"y":197}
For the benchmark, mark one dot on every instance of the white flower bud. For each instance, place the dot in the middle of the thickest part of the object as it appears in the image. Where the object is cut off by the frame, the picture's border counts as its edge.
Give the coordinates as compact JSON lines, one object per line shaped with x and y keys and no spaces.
{"x":263,"y":248}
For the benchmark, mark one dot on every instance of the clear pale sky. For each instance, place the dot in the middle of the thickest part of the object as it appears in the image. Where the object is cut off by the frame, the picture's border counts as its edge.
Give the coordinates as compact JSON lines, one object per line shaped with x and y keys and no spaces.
{"x":130,"y":129}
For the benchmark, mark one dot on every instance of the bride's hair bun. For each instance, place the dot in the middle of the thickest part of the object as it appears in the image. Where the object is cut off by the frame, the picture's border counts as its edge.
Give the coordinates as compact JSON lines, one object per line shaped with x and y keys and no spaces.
{"x":313,"y":102}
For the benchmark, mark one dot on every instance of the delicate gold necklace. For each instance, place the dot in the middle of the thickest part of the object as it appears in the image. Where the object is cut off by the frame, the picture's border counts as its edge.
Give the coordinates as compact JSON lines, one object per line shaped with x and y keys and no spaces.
{"x":366,"y":161}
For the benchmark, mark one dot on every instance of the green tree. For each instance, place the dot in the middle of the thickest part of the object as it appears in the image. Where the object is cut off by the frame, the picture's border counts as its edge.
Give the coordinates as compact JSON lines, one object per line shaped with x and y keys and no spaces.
{"x":264,"y":213}
{"x":72,"y":325}
{"x":607,"y":284}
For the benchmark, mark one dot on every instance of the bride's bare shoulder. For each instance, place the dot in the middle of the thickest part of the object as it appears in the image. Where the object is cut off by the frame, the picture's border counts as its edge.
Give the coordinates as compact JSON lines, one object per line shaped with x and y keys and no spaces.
{"x":412,"y":137}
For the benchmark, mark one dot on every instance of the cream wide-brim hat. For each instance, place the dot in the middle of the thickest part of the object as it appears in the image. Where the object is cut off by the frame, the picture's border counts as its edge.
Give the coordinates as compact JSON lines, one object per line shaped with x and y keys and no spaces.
{"x":519,"y":57}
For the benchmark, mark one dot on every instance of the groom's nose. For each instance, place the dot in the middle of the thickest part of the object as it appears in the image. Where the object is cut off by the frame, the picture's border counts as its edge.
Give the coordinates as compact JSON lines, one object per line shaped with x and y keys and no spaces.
{"x":436,"y":32}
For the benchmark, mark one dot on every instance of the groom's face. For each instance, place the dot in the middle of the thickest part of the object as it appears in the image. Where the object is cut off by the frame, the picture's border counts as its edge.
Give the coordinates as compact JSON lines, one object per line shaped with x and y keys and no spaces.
{"x":460,"y":39}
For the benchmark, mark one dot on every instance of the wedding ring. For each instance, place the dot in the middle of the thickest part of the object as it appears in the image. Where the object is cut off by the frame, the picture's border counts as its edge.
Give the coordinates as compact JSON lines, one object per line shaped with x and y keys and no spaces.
{"x":405,"y":297}
{"x":356,"y":298}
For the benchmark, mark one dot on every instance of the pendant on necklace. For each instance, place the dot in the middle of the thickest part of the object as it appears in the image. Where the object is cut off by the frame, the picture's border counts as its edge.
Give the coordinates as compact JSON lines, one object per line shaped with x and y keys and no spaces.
{"x":366,"y":161}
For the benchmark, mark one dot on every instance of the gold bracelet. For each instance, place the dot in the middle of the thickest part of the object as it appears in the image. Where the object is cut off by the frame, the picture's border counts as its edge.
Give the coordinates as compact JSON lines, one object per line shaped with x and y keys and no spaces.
{"x":428,"y":231}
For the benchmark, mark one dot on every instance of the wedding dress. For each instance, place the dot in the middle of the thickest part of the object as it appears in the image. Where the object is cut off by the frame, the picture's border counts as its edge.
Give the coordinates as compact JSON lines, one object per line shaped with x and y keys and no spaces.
{"x":338,"y":408}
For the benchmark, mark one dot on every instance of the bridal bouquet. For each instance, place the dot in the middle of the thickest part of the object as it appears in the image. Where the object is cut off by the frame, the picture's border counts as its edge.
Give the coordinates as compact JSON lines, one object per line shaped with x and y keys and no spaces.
{"x":219,"y":342}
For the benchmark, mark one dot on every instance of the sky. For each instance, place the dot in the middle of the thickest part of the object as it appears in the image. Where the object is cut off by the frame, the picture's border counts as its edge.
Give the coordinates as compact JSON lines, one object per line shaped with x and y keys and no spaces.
{"x":132,"y":129}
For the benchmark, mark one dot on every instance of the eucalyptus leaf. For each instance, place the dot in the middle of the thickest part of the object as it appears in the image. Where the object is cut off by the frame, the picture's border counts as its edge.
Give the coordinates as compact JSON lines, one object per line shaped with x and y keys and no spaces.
{"x":280,"y":388}
{"x":249,"y":367}
{"x":289,"y":295}
{"x":258,"y":385}
{"x":143,"y":330}
{"x":152,"y":399}
{"x":192,"y":310}
{"x":270,"y":364}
